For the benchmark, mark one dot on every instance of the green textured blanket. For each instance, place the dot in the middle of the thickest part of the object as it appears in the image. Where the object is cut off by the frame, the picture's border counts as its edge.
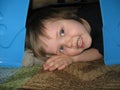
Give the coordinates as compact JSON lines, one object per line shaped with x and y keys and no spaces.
{"x":17,"y":79}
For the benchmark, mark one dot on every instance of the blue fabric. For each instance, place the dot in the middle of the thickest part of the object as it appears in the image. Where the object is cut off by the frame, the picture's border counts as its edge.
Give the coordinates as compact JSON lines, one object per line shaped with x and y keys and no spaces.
{"x":111,"y":30}
{"x":13,"y":15}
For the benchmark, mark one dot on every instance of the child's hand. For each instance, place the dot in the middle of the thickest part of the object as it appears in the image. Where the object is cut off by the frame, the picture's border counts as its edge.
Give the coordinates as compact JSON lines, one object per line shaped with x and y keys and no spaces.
{"x":57,"y":62}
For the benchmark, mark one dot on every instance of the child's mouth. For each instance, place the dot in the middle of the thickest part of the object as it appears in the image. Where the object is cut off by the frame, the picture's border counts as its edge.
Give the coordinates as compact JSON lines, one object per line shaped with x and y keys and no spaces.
{"x":80,"y":43}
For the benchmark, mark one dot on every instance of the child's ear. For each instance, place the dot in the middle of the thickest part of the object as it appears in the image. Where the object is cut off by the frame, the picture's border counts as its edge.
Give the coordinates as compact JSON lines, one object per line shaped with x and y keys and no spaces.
{"x":86,"y":24}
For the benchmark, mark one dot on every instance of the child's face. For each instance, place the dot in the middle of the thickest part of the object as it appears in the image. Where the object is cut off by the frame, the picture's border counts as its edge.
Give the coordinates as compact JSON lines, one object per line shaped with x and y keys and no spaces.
{"x":66,"y":36}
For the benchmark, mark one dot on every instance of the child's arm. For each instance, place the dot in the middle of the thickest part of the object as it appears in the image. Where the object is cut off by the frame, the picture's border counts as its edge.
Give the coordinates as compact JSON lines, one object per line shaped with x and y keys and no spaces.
{"x":88,"y":55}
{"x":61,"y":61}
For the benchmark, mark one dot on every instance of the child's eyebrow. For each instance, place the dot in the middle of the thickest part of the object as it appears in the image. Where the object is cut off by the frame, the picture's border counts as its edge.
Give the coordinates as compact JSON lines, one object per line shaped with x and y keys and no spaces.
{"x":57,"y":34}
{"x":58,"y":31}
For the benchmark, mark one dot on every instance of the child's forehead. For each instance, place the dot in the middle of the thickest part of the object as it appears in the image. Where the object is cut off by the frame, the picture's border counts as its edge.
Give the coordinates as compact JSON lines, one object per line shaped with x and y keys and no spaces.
{"x":46,"y":44}
{"x":44,"y":37}
{"x":51,"y":27}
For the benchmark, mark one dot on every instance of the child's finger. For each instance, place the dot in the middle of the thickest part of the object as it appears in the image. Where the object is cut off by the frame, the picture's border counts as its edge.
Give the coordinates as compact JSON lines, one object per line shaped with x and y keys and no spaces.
{"x":52,"y":68}
{"x":48,"y":65}
{"x":55,"y":65}
{"x":52,"y":59}
{"x":62,"y":67}
{"x":52,"y":64}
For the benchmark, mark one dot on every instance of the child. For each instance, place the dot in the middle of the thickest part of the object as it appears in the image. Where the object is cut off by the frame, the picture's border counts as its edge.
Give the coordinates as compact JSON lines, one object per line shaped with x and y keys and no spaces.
{"x":65,"y":36}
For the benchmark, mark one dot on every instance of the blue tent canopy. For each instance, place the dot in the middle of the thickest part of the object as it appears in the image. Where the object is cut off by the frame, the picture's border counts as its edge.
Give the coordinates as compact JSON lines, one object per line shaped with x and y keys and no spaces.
{"x":13,"y":15}
{"x":110,"y":10}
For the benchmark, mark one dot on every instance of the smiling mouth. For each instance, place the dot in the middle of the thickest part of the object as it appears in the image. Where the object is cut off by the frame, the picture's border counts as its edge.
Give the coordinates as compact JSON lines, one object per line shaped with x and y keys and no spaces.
{"x":80,"y":43}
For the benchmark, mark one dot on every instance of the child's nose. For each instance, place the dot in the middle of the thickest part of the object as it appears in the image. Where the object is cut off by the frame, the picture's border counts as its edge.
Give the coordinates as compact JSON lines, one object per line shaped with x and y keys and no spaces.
{"x":68,"y":42}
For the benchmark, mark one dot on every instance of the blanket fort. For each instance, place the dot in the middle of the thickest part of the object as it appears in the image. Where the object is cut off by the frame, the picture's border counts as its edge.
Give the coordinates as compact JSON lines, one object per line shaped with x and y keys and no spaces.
{"x":13,"y":15}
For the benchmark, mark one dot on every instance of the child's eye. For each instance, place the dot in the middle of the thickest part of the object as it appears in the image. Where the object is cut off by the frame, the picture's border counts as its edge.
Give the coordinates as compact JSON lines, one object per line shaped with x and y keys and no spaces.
{"x":62,"y":33}
{"x":61,"y":49}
